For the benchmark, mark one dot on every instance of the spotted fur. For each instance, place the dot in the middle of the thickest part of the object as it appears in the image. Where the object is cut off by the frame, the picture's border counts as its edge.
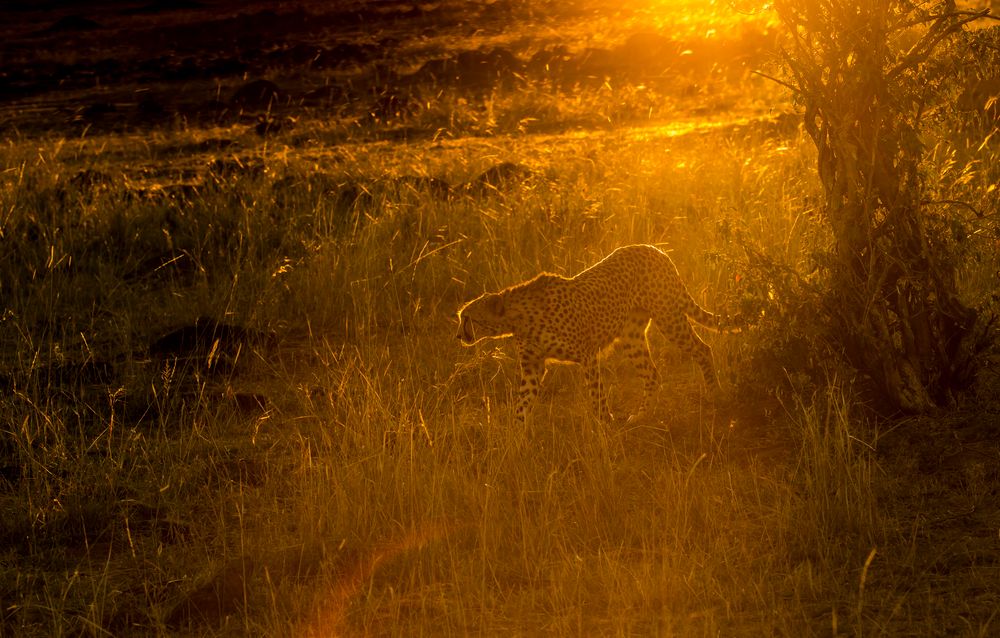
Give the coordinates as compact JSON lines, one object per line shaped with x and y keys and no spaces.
{"x":573,"y":319}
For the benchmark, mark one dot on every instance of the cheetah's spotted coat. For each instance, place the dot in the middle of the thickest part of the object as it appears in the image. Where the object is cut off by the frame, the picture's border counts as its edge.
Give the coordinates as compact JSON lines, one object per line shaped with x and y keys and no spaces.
{"x":573,"y":319}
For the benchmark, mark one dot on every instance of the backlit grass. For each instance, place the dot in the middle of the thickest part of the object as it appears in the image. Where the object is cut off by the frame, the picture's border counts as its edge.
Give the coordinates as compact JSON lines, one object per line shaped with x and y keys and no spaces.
{"x":347,"y":468}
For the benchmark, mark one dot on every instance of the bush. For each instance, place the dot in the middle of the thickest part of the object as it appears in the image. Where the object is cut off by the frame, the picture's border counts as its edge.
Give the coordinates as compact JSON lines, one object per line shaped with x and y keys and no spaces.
{"x":889,"y":296}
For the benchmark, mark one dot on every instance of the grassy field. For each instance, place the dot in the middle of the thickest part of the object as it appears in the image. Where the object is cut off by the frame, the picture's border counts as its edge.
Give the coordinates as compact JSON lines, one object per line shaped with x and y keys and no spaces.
{"x":232,"y":401}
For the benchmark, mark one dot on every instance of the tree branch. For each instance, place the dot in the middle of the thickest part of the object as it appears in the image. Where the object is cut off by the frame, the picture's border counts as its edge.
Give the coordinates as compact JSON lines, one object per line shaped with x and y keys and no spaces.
{"x":934,"y":202}
{"x":790,"y":87}
{"x":926,"y":45}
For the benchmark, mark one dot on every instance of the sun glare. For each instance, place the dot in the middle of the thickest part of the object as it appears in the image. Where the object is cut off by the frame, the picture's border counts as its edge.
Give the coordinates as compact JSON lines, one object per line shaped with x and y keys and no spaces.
{"x":679,"y":18}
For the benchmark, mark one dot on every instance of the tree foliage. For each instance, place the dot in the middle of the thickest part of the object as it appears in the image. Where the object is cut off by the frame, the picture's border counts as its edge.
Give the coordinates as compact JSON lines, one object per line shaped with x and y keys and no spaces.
{"x":891,"y":299}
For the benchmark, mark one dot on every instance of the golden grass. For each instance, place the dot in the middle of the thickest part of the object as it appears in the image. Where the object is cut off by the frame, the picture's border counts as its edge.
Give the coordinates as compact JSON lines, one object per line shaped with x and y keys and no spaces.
{"x":386,"y":461}
{"x":380,"y":486}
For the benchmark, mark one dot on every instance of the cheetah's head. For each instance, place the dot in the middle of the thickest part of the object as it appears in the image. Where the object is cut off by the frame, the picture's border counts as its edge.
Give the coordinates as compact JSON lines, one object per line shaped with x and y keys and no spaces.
{"x":483,"y":318}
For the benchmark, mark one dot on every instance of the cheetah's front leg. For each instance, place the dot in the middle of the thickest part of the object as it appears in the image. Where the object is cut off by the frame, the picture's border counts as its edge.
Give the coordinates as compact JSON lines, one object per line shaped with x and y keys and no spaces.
{"x":532,"y":371}
{"x":598,"y":400}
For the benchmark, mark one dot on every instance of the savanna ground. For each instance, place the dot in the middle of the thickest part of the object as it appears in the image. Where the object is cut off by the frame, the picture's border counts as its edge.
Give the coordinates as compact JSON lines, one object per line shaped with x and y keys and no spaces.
{"x":232,"y":399}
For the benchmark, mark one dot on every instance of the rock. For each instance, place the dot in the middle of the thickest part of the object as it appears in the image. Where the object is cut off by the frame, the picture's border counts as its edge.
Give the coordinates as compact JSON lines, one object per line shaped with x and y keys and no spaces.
{"x":500,"y":177}
{"x":217,"y":344}
{"x":259,"y":94}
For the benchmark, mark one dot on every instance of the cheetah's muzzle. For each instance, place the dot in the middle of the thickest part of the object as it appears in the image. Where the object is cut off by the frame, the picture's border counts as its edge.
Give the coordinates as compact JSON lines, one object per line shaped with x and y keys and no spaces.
{"x":465,"y":332}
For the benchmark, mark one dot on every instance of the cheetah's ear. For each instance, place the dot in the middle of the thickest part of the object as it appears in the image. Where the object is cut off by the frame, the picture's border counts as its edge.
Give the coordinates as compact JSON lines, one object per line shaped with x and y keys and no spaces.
{"x":495,"y":304}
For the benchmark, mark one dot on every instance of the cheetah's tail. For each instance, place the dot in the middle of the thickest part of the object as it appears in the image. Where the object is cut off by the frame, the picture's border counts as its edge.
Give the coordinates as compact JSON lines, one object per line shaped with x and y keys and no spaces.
{"x":710,"y":320}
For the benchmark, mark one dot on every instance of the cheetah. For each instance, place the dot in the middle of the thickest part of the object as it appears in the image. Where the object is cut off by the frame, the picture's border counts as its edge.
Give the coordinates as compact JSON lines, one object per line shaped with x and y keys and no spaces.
{"x":574,"y":319}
